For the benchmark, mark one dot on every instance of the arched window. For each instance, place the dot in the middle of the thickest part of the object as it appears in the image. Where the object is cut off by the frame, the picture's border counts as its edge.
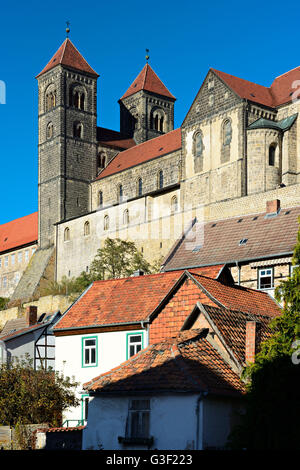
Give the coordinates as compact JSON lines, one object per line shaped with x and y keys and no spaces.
{"x":77,"y":97}
{"x":126,"y":217}
{"x":227,"y":132}
{"x":198,"y":144}
{"x":106,"y":223}
{"x":100,"y":199}
{"x":101,"y":160}
{"x":174,"y":204}
{"x":67,"y":234}
{"x":272,"y":150}
{"x":49,"y":131}
{"x":160,"y":179}
{"x":157,"y":118}
{"x":50,"y":98}
{"x":78,"y":130}
{"x":140,"y":187}
{"x":86,"y":228}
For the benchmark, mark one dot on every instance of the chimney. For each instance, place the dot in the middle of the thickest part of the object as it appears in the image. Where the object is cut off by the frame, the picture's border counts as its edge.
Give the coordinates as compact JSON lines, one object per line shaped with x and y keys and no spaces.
{"x":31,"y":315}
{"x":273,"y":207}
{"x":250,"y":341}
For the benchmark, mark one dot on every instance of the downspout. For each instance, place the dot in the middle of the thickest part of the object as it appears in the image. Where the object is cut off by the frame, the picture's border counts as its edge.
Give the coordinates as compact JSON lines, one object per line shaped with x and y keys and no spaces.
{"x":199,"y":421}
{"x":4,"y":349}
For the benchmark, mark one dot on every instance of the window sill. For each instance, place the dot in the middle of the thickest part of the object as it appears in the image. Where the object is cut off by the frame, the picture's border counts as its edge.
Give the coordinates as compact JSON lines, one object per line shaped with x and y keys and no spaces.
{"x":141,"y":441}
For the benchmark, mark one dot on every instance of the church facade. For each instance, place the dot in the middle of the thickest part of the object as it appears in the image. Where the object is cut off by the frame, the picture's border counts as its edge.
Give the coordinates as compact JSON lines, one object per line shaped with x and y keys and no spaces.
{"x":237,"y":148}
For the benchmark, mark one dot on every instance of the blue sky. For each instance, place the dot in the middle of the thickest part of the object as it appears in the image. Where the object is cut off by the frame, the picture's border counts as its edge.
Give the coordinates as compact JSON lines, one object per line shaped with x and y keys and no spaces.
{"x":255,"y":40}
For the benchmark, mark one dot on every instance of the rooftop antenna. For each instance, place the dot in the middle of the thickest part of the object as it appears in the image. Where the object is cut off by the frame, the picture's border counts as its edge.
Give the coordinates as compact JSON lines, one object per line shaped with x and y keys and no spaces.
{"x":147,"y":55}
{"x":67,"y":28}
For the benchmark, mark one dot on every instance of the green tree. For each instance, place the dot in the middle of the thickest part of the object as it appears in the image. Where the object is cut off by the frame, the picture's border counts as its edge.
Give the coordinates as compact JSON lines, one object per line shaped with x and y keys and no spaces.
{"x":29,"y":396}
{"x":118,"y":258}
{"x":272,"y":400}
{"x":3,"y":303}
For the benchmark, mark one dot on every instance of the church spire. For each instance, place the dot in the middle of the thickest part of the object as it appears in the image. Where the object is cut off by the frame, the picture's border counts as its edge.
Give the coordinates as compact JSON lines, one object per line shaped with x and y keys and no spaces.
{"x":69,"y":56}
{"x":147,"y":80}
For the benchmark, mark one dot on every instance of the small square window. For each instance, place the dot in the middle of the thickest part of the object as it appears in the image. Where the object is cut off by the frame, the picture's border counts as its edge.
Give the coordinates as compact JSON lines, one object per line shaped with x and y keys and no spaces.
{"x":89,"y":352}
{"x":134,"y":343}
{"x":265,"y":278}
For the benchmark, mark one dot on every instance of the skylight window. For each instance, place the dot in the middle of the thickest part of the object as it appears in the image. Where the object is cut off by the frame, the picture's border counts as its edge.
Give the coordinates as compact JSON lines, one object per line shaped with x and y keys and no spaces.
{"x":243,"y":241}
{"x":197,"y":248}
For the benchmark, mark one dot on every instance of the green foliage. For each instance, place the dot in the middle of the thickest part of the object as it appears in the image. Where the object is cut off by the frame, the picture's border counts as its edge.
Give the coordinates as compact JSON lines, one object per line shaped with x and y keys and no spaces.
{"x":117,"y":258}
{"x":3,"y":303}
{"x":29,"y":396}
{"x":272,"y":401}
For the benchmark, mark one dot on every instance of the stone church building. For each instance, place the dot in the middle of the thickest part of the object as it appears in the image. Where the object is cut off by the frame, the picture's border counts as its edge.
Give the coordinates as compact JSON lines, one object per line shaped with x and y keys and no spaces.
{"x":238,"y":147}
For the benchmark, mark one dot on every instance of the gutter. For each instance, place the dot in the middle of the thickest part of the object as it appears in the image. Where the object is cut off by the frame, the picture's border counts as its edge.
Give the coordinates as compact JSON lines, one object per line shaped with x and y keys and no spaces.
{"x":108,"y":325}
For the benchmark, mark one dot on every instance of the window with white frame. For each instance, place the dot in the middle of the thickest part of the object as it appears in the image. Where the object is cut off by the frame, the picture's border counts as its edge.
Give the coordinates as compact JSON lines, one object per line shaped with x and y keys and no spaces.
{"x":26,"y":255}
{"x":134,"y":343}
{"x":89,"y":351}
{"x":12,"y":259}
{"x":6,"y":261}
{"x":138,"y":423}
{"x":20,"y":257}
{"x":265,"y":278}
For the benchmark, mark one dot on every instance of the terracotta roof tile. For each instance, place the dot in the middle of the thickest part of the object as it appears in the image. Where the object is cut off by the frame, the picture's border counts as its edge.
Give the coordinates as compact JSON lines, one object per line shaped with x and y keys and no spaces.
{"x":69,"y":56}
{"x":185,"y":363}
{"x":19,"y":232}
{"x":148,"y":80}
{"x":125,"y":300}
{"x":232,"y":326}
{"x":238,"y":297}
{"x":280,"y":92}
{"x":144,"y":152}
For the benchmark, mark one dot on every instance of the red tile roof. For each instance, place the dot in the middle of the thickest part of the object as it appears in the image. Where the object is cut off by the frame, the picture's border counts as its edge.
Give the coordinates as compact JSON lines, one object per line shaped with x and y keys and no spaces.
{"x":238,"y":297}
{"x":148,"y":80}
{"x":19,"y":232}
{"x":114,"y":139}
{"x":246,"y":89}
{"x":282,"y":87}
{"x":231,"y":324}
{"x":280,"y":92}
{"x":144,"y":152}
{"x":121,"y":301}
{"x":187,"y":363}
{"x":266,"y":236}
{"x":69,"y":56}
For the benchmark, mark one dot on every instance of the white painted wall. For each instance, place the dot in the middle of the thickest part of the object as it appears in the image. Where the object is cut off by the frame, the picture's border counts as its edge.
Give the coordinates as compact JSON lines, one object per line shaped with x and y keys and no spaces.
{"x":173,"y":421}
{"x":111,"y":351}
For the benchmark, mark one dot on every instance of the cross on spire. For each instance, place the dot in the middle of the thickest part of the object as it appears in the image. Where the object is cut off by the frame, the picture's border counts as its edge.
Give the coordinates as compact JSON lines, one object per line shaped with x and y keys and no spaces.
{"x":147,"y":55}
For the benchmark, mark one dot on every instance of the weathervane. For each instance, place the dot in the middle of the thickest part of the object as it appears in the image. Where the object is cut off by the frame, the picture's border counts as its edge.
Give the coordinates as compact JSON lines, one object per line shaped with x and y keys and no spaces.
{"x":147,"y":55}
{"x":67,"y":28}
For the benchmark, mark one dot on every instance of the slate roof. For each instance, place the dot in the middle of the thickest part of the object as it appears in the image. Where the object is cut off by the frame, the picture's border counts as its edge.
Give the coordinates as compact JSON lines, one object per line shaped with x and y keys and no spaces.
{"x":148,"y":80}
{"x":143,"y":152}
{"x":186,"y":363}
{"x":19,"y":232}
{"x":124,"y":300}
{"x":267,"y":236}
{"x":69,"y":56}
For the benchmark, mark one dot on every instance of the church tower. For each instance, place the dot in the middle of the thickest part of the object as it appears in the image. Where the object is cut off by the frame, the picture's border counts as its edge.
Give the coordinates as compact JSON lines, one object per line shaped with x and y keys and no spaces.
{"x":67,"y":138}
{"x":147,"y":107}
